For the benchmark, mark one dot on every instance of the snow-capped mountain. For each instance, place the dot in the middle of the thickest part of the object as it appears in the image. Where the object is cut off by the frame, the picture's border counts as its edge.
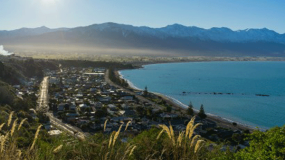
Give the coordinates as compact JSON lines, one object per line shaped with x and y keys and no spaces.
{"x":179,"y":31}
{"x":172,"y":37}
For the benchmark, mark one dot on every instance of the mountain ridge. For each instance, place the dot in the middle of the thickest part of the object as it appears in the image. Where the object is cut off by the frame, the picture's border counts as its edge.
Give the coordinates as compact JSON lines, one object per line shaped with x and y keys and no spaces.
{"x":173,"y":30}
{"x":175,"y":37}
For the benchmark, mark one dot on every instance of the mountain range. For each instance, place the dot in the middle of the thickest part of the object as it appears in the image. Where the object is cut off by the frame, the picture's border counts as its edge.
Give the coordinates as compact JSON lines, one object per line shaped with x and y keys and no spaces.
{"x":174,"y":39}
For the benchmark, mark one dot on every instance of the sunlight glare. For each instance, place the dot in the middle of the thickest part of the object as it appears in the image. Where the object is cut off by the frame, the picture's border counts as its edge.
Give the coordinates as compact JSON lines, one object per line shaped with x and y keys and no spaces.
{"x":48,"y":1}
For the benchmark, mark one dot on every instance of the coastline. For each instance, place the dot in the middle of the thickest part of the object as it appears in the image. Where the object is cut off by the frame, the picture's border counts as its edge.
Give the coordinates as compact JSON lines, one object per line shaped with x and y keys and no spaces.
{"x":211,"y":59}
{"x":220,"y":121}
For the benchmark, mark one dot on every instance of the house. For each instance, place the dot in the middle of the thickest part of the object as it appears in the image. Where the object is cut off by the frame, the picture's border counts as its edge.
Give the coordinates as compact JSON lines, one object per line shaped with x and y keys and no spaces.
{"x":71,"y":117}
{"x":53,"y":80}
{"x":121,"y":112}
{"x":98,"y":105}
{"x":105,"y":99}
{"x":111,"y":106}
{"x":60,"y":107}
{"x":129,"y":112}
{"x":54,"y":132}
{"x":168,"y":115}
{"x":125,"y":106}
{"x":79,"y":95}
{"x":110,"y":111}
{"x":72,"y":106}
{"x":17,"y":86}
{"x":127,"y":98}
{"x":83,"y":107}
{"x":93,"y":90}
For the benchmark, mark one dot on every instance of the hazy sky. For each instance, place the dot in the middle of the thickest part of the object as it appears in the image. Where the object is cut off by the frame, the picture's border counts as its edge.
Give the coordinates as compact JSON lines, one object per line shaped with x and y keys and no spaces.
{"x":235,"y":14}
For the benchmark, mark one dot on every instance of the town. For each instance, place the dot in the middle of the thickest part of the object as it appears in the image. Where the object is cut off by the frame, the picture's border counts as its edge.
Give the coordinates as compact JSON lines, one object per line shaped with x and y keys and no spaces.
{"x":86,"y":100}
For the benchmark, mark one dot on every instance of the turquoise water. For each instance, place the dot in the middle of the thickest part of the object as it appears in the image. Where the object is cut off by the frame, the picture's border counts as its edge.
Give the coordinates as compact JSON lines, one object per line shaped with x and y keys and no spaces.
{"x":231,"y":90}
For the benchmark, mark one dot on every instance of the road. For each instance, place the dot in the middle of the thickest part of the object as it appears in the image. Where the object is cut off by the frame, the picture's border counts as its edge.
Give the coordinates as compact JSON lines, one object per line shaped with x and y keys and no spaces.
{"x":43,"y":107}
{"x":141,"y":98}
{"x":43,"y":98}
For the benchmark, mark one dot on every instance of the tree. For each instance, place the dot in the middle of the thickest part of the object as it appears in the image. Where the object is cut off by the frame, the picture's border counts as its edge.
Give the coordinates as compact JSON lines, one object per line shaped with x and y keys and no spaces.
{"x":145,"y":92}
{"x":190,"y":110}
{"x":265,"y":145}
{"x":168,"y":108}
{"x":201,"y":113}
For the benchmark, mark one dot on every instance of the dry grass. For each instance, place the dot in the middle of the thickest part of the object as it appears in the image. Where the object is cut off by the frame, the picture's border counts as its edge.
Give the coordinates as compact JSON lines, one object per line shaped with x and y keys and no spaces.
{"x":13,"y":127}
{"x":9,"y":147}
{"x":21,"y":123}
{"x":57,"y":149}
{"x":36,"y":136}
{"x":1,"y":126}
{"x":182,"y":146}
{"x":105,"y":124}
{"x":10,"y":118}
{"x":127,"y":125}
{"x":192,"y":144}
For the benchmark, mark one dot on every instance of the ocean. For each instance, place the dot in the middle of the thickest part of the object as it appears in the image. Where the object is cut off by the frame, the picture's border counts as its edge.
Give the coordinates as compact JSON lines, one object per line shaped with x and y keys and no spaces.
{"x":250,"y":93}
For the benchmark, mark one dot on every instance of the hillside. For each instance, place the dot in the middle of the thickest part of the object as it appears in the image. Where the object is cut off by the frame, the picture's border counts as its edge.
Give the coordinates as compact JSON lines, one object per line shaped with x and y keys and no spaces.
{"x":122,"y":39}
{"x":18,"y":71}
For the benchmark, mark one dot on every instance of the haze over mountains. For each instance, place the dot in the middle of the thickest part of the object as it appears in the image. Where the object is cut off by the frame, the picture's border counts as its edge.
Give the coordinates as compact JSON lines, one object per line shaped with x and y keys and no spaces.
{"x":172,"y":40}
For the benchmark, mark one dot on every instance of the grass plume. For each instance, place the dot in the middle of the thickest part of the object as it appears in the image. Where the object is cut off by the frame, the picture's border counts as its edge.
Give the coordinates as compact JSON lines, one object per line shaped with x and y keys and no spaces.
{"x":57,"y":149}
{"x":13,"y":127}
{"x":10,"y":118}
{"x":36,"y":136}
{"x":117,"y":134}
{"x":21,"y":123}
{"x":199,"y":145}
{"x":127,"y":125}
{"x":1,"y":126}
{"x":3,"y":141}
{"x":132,"y":150}
{"x":105,"y":125}
{"x":191,"y":145}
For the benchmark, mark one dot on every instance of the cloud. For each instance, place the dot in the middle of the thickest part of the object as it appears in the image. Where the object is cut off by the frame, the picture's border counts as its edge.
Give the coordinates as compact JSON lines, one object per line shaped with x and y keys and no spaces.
{"x":4,"y":52}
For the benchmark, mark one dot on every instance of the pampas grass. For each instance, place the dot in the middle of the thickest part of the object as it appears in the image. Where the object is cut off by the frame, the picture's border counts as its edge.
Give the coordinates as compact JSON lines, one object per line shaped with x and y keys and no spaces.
{"x":194,"y":140}
{"x":105,"y":124}
{"x":21,"y":123}
{"x":81,"y":137}
{"x":182,"y":145}
{"x":13,"y":127}
{"x":19,"y":153}
{"x":57,"y":149}
{"x":1,"y":126}
{"x":132,"y":150}
{"x":10,"y":118}
{"x":111,"y":139}
{"x":117,"y":134}
{"x":192,"y":145}
{"x":3,"y":141}
{"x":199,"y":145}
{"x":127,"y":125}
{"x":36,"y":136}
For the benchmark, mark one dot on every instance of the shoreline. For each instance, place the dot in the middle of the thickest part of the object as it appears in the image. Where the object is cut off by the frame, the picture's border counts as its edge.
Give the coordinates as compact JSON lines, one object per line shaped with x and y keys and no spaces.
{"x":212,"y":59}
{"x":222,"y":122}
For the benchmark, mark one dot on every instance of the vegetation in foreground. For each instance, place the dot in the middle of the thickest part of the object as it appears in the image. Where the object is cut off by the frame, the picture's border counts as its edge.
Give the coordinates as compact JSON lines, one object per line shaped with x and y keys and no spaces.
{"x":19,"y":139}
{"x":161,"y":144}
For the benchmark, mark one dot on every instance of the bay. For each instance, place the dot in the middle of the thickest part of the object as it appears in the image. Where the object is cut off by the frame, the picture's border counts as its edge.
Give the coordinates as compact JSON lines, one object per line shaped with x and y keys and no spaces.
{"x":252,"y":93}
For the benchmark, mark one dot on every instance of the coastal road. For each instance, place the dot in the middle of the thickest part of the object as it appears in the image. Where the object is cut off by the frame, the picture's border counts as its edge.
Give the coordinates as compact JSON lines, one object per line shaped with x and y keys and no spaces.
{"x":141,"y":98}
{"x":44,"y":108}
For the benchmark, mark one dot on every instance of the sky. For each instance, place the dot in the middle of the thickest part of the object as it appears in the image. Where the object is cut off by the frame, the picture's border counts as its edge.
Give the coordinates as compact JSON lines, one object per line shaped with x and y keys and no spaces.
{"x":234,"y":14}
